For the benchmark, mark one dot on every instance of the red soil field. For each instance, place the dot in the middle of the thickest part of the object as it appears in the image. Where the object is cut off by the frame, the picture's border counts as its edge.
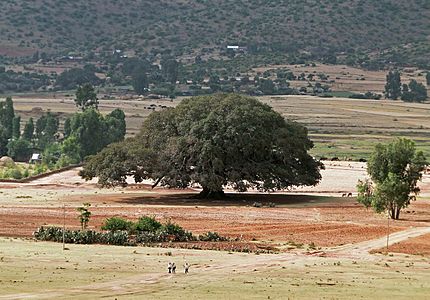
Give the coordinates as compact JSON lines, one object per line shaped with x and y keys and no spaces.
{"x":296,"y":218}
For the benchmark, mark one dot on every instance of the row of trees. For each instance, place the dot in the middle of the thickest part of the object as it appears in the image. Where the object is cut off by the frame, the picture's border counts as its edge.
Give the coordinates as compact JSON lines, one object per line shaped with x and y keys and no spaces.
{"x":84,"y":133}
{"x":414,"y":92}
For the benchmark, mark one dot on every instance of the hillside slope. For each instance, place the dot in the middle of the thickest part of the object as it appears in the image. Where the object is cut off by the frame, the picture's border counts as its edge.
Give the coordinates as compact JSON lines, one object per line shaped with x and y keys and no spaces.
{"x":185,"y":25}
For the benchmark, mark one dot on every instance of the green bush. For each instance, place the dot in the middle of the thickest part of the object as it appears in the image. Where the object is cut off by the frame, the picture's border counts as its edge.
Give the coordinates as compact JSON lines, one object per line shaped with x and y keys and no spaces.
{"x":117,"y":224}
{"x":148,"y":224}
{"x":16,"y":174}
{"x":176,"y":232}
{"x":151,"y":237}
{"x":120,"y":238}
{"x":211,"y":237}
{"x":55,"y":234}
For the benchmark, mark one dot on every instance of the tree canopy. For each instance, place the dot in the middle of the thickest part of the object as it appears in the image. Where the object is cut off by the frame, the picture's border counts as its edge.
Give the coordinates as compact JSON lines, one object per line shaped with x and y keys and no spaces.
{"x":213,"y":141}
{"x":86,"y":97}
{"x":91,"y":131}
{"x":393,"y":85}
{"x":395,"y":170}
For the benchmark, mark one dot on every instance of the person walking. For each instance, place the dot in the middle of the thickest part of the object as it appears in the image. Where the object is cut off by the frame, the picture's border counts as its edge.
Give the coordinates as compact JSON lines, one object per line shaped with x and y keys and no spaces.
{"x":169,"y":267}
{"x":186,"y":267}
{"x":173,"y":268}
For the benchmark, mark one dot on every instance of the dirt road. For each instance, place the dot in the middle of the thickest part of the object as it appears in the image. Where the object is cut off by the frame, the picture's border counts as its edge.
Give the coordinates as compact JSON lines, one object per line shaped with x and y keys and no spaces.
{"x":362,"y":249}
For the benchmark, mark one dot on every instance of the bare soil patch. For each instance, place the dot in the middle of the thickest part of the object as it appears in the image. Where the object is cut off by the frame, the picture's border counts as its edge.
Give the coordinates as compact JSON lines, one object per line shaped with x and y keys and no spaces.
{"x":415,"y":246}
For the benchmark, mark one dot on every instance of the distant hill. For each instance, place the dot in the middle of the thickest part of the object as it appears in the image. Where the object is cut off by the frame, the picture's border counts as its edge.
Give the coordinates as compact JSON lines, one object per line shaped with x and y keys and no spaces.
{"x":185,"y":26}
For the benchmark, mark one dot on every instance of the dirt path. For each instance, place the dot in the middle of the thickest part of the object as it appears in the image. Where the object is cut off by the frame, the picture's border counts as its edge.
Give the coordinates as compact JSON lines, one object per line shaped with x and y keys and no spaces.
{"x":362,"y":249}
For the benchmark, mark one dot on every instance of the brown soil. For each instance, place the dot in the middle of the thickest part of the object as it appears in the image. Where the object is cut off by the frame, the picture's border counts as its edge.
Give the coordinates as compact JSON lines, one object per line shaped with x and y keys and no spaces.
{"x":324,"y":223}
{"x":415,"y":246}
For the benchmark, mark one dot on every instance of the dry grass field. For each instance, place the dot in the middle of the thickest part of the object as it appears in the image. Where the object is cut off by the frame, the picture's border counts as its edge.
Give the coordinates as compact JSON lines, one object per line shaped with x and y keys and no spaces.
{"x":346,"y":78}
{"x":98,"y":272}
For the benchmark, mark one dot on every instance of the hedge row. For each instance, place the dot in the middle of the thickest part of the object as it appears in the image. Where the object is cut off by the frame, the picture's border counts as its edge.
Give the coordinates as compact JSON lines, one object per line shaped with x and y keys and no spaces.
{"x":122,"y":232}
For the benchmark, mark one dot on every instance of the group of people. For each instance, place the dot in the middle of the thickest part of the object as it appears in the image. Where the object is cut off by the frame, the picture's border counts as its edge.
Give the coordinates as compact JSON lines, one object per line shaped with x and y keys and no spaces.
{"x":171,"y":267}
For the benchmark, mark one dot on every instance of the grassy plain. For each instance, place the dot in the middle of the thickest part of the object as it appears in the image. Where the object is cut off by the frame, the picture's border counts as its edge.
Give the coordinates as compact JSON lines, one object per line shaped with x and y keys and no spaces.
{"x":44,"y":271}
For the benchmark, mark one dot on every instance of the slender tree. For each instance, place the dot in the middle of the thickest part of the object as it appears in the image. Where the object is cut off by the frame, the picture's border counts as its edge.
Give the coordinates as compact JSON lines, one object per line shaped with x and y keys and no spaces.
{"x":393,"y":85}
{"x":395,"y":170}
{"x":28,"y":130}
{"x":16,"y":127}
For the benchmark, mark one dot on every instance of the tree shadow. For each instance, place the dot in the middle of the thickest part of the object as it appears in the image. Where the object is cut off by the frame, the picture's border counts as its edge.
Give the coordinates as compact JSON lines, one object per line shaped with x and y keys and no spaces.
{"x":232,"y":199}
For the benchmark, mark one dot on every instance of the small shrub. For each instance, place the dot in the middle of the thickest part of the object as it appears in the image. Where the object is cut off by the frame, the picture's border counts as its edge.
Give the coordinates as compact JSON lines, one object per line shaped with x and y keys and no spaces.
{"x":117,"y":224}
{"x":211,"y":237}
{"x":257,"y":204}
{"x":148,"y":224}
{"x":176,"y":231}
{"x":120,"y":238}
{"x":16,"y":174}
{"x":84,"y":215}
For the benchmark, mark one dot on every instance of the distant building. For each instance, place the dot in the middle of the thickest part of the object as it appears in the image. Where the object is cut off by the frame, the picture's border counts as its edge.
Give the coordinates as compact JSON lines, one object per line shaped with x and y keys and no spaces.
{"x":35,"y":158}
{"x":236,"y":48}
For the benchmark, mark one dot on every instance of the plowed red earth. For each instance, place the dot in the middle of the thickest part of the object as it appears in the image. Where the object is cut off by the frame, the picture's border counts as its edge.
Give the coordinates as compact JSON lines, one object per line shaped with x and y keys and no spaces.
{"x":300,"y":219}
{"x":416,"y":246}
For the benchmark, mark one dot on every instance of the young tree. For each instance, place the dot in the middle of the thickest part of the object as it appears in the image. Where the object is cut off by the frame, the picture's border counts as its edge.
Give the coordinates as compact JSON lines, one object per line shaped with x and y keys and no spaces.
{"x":213,"y":141}
{"x":395,"y":170}
{"x":84,"y":215}
{"x":28,"y":130}
{"x":169,"y":69}
{"x":140,"y":82}
{"x":86,"y":97}
{"x":393,"y":85}
{"x":16,"y":127}
{"x":7,"y":113}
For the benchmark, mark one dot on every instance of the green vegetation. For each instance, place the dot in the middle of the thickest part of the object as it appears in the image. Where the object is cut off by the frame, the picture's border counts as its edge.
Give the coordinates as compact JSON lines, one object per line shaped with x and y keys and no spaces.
{"x":84,"y":134}
{"x":263,"y":27}
{"x":414,"y":92}
{"x":86,"y":97}
{"x":11,"y":81}
{"x":395,"y":169}
{"x":84,"y":215}
{"x":74,"y":78}
{"x":123,"y":232}
{"x":213,"y":141}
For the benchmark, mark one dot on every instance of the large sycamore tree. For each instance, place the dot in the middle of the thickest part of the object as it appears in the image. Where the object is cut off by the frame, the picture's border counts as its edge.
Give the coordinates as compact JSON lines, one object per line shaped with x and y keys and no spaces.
{"x":395,"y":170}
{"x":212,"y":141}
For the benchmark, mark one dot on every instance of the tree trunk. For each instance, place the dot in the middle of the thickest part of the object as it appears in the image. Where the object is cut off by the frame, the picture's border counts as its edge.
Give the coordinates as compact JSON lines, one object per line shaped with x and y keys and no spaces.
{"x":209,"y":194}
{"x":397,"y":213}
{"x":392,"y":213}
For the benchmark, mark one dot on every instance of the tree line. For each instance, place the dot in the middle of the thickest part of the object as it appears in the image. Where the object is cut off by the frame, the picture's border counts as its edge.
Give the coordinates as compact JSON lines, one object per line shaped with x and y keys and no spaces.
{"x":84,"y":133}
{"x":412,"y":92}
